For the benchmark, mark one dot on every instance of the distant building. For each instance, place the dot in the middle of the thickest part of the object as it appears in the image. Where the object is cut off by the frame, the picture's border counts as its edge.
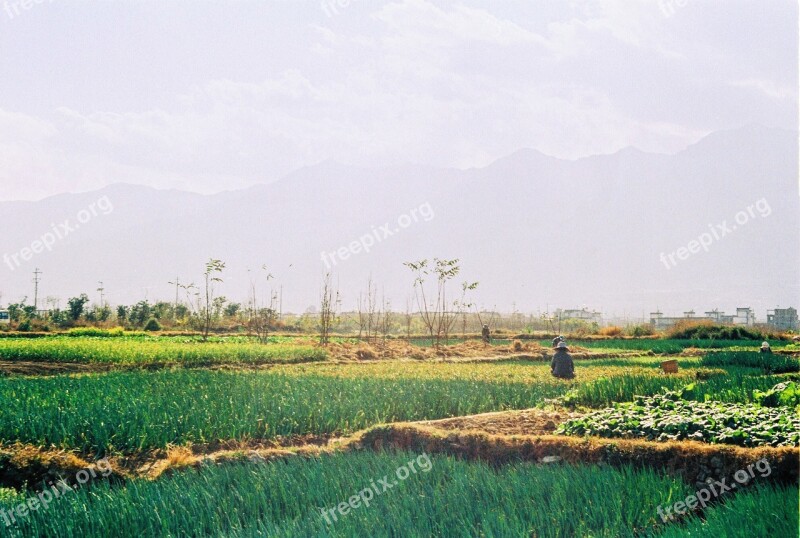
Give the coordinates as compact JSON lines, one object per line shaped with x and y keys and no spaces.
{"x":783,"y":318}
{"x":582,"y":314}
{"x":718,"y":317}
{"x":5,"y":318}
{"x":744,"y":316}
{"x":659,"y":321}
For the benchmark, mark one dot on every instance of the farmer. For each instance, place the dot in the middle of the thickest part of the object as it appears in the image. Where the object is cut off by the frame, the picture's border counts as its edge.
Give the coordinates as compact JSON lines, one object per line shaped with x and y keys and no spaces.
{"x":562,"y":365}
{"x":765,"y":347}
{"x":556,"y":341}
{"x":485,"y":335}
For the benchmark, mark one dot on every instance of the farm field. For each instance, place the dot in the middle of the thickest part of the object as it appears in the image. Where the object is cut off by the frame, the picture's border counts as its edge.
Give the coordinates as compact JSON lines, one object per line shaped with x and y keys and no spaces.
{"x":152,"y":351}
{"x":256,"y":439}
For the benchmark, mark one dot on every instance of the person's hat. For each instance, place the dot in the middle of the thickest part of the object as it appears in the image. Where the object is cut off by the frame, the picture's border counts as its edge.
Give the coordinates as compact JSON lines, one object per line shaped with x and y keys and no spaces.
{"x":561,"y":345}
{"x":764,"y":344}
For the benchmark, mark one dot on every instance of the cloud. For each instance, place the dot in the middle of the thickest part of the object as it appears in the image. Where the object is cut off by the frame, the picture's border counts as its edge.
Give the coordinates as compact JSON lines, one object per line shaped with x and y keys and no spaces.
{"x":769,"y":88}
{"x":444,"y":84}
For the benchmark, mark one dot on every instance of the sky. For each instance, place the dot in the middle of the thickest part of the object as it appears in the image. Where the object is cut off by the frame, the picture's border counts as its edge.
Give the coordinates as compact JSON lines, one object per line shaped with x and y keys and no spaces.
{"x":210,"y":96}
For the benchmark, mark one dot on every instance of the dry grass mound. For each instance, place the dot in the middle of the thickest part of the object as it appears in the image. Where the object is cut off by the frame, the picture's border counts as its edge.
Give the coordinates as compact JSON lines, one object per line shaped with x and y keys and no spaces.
{"x":693,"y":462}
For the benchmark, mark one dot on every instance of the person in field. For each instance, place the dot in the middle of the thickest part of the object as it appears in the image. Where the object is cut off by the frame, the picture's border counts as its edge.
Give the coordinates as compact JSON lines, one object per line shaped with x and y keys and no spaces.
{"x":485,"y":334}
{"x":765,"y":347}
{"x":562,"y":365}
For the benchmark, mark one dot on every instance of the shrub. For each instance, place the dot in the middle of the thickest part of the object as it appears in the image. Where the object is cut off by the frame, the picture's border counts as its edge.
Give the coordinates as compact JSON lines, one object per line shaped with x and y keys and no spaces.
{"x":641,"y":330}
{"x":152,"y":325}
{"x":690,"y":330}
{"x":611,"y":330}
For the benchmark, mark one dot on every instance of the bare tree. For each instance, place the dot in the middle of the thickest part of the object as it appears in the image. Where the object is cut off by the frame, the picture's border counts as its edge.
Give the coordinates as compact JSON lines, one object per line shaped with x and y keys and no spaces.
{"x":385,"y":319}
{"x":203,"y":306}
{"x":368,"y":311}
{"x":408,"y":318}
{"x":433,"y":305}
{"x":262,"y":318}
{"x":329,"y":302}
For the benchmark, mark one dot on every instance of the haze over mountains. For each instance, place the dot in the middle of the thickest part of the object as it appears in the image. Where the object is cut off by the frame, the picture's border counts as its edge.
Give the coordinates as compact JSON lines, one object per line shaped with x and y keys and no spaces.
{"x":537,"y":232}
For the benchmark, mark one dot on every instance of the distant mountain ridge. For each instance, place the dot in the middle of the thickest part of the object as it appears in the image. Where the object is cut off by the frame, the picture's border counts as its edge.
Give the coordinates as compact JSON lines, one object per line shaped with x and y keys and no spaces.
{"x":535,"y":230}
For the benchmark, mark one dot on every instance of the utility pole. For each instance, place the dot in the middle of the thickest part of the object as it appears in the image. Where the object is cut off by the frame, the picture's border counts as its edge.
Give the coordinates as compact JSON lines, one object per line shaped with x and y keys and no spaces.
{"x":177,"y":289}
{"x":101,"y":289}
{"x":36,"y":281}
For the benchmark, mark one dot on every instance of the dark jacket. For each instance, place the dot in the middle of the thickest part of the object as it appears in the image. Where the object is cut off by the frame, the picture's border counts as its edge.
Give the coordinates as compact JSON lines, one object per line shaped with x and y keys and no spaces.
{"x":562,"y":365}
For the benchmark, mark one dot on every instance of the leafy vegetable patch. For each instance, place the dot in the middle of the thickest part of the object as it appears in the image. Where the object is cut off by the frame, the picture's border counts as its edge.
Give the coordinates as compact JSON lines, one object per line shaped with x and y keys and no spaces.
{"x":666,"y":417}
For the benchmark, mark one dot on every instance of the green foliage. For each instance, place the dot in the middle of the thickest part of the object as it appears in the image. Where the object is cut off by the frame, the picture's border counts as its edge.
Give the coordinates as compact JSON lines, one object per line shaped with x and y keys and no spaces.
{"x":775,"y":363}
{"x":152,"y":325}
{"x":737,"y":386}
{"x":95,"y":332}
{"x":787,"y":394}
{"x":286,"y":498}
{"x":641,"y":330}
{"x":137,"y":351}
{"x":716,"y":332}
{"x":667,"y":417}
{"x":760,"y":510}
{"x":76,"y":306}
{"x":137,"y":410}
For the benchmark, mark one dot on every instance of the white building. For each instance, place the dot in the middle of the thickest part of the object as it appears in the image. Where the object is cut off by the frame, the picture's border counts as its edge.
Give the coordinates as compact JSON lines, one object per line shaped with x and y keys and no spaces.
{"x":744,"y":316}
{"x":582,"y":314}
{"x":5,"y":318}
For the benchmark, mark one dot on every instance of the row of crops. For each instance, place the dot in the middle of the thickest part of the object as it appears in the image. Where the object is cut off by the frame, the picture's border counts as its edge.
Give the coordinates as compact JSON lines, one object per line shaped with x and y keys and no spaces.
{"x":287,"y":498}
{"x":146,"y":350}
{"x":66,"y":349}
{"x":131,"y":411}
{"x":667,"y":417}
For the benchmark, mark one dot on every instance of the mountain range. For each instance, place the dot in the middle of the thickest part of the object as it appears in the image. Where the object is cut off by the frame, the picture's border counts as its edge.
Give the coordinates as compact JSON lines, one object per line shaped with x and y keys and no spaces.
{"x":716,"y":225}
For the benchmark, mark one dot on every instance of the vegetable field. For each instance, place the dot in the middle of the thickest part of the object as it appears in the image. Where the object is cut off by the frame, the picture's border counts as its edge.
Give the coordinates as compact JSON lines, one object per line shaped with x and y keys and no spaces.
{"x":290,"y":398}
{"x":146,"y":352}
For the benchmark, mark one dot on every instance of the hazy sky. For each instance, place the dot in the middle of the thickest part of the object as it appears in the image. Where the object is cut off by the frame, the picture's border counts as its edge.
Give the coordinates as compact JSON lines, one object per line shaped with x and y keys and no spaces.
{"x":208,"y":96}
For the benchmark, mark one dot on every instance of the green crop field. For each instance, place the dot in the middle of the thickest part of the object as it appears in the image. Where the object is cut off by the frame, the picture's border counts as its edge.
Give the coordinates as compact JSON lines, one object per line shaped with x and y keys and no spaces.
{"x":300,"y":393}
{"x":130,"y":411}
{"x":287,"y":498}
{"x":150,"y":351}
{"x":293,"y":497}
